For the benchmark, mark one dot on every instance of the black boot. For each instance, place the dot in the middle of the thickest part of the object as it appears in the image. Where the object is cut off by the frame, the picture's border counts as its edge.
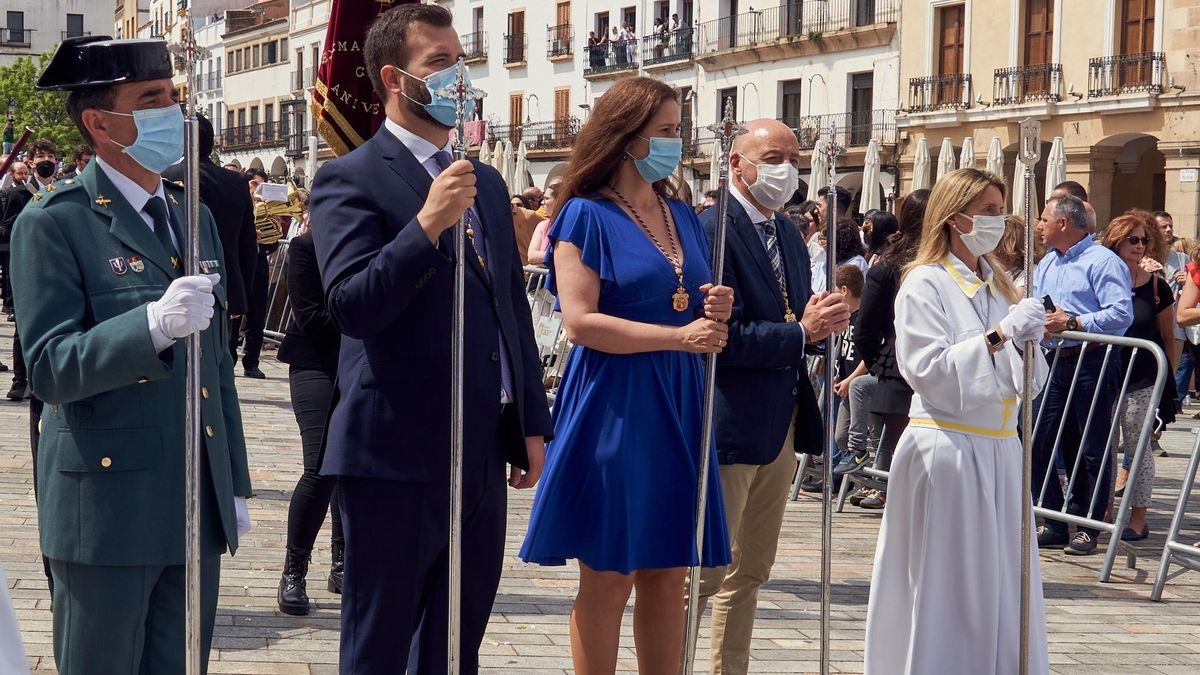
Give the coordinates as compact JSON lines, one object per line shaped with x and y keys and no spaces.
{"x":292,"y":596}
{"x":335,"y":570}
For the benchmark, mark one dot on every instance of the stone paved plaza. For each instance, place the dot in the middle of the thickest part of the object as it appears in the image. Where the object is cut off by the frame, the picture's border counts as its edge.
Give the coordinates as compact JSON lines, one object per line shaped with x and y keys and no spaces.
{"x":1093,"y":627}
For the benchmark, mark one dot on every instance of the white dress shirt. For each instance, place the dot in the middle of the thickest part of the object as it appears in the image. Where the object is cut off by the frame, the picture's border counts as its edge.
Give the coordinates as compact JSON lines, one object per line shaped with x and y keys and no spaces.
{"x":136,"y":195}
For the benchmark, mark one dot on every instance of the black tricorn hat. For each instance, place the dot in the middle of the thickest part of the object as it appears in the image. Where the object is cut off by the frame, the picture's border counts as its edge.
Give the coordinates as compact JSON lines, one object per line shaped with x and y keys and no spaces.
{"x":99,"y":60}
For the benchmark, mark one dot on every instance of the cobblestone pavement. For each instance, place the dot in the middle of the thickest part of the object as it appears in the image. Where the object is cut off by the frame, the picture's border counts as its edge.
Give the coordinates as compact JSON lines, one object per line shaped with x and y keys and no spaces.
{"x":1093,"y":627}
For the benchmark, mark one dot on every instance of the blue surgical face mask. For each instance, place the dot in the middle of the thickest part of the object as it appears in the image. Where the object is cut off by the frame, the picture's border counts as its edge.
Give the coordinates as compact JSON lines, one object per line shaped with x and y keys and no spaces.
{"x":159,"y":142}
{"x":442,"y":108}
{"x":662,"y":159}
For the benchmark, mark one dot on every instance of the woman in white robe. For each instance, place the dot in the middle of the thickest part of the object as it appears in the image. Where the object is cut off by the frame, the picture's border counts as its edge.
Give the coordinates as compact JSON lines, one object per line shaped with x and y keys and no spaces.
{"x":945,"y":593}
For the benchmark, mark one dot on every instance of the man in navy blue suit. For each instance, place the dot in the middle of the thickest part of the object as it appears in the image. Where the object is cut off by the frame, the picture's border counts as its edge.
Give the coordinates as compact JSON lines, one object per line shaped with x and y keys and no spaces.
{"x":765,"y":406}
{"x":382,"y":219}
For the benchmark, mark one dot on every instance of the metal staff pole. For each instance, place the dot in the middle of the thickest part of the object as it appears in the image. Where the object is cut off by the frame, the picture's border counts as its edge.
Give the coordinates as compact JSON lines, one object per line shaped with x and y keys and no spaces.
{"x":460,"y":91}
{"x":832,"y":151}
{"x":189,"y":52}
{"x":1027,"y":155}
{"x":725,"y":130}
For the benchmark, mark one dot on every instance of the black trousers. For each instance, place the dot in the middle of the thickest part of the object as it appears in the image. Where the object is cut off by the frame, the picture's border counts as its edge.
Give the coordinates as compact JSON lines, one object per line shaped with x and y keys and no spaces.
{"x":312,"y":391}
{"x":20,"y":375}
{"x":255,"y":319}
{"x":6,"y":284}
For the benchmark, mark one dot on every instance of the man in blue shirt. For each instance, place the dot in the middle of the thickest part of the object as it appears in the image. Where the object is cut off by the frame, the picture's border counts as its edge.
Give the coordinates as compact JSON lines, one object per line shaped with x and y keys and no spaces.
{"x":1091,"y":290}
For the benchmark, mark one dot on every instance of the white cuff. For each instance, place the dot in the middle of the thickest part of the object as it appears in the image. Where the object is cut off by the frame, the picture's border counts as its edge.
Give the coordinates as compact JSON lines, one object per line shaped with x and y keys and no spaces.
{"x":243,"y":515}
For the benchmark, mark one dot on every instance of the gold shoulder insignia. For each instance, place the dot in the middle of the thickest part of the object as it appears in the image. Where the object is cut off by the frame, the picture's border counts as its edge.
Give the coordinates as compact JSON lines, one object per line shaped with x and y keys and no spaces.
{"x":172,"y":198}
{"x":176,"y":182}
{"x":51,"y":187}
{"x":103,"y":201}
{"x":37,"y":197}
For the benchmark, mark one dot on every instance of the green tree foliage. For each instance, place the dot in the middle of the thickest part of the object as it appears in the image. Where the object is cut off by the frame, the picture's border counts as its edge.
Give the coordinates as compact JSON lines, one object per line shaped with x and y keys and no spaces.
{"x":43,"y":111}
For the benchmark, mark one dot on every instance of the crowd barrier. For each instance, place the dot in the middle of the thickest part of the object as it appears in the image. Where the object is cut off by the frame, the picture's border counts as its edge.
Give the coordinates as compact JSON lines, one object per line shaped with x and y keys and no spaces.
{"x":1186,"y":555}
{"x":1099,"y":515}
{"x":279,"y":309}
{"x":553,"y":346}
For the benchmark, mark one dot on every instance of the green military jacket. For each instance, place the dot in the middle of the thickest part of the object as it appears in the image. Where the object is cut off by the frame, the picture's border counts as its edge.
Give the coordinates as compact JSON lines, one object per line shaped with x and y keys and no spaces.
{"x":111,"y":456}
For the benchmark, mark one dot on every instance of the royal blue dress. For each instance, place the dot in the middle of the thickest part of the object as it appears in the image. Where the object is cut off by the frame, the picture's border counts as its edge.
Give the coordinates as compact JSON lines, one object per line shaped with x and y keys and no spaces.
{"x":619,"y":488}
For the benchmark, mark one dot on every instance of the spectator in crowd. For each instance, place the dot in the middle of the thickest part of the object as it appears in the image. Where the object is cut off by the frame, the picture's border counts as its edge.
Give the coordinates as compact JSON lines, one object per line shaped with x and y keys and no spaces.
{"x":268,"y":232}
{"x":629,"y":266}
{"x":1134,"y":236}
{"x":532,"y":196}
{"x":854,"y":437}
{"x":875,"y":338}
{"x":1076,"y":190}
{"x":1174,"y":264}
{"x":310,"y":348}
{"x":822,"y":203}
{"x":539,"y":243}
{"x":883,"y":225}
{"x":596,"y":47}
{"x":850,"y":250}
{"x":710,"y":200}
{"x":630,"y":43}
{"x":80,"y":156}
{"x":1188,"y":316}
{"x":617,"y":41}
{"x":946,"y":585}
{"x":18,"y":173}
{"x":525,"y":220}
{"x":44,"y":159}
{"x":1090,"y":288}
{"x":761,"y":376}
{"x":661,"y":38}
{"x":1010,"y":252}
{"x":224,"y":193}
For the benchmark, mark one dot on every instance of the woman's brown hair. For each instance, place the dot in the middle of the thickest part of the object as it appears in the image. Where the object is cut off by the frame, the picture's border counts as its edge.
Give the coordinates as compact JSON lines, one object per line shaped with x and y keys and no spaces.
{"x":600,"y":147}
{"x":1123,"y":225}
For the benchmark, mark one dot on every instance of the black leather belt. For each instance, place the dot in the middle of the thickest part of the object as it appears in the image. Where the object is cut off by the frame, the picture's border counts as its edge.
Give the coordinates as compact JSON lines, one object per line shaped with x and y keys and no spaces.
{"x":1077,"y":350}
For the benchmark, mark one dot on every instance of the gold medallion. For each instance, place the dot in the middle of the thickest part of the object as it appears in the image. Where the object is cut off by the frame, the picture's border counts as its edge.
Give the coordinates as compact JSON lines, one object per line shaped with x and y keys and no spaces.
{"x":680,"y":300}
{"x":789,"y":316}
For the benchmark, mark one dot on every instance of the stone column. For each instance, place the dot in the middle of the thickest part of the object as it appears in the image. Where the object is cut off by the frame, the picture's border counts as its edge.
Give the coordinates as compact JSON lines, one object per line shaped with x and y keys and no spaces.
{"x":1183,"y":185}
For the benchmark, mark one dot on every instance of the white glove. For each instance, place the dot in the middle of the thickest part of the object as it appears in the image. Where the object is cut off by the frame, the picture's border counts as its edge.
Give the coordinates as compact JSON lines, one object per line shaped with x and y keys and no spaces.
{"x":243,"y":515}
{"x":1026,"y":320}
{"x":186,"y":308}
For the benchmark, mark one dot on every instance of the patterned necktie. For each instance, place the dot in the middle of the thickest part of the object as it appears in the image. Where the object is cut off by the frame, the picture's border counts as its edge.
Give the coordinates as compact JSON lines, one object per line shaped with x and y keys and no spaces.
{"x":470,"y":220}
{"x":773,"y":253}
{"x":157,"y":209}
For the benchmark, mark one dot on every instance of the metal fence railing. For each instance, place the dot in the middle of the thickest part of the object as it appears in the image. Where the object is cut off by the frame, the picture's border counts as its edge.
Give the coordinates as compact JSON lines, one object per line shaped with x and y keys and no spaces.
{"x":1025,"y":84}
{"x":801,"y":18}
{"x":1175,"y":551}
{"x":279,"y":306}
{"x":548,"y":333}
{"x":560,"y":40}
{"x":475,"y":45}
{"x":667,"y":46}
{"x":1103,"y":512}
{"x":611,"y":57}
{"x":939,"y":92}
{"x":1127,"y":73}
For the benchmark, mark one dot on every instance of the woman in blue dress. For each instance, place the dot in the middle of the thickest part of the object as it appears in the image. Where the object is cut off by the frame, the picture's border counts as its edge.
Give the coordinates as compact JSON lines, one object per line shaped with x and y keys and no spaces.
{"x":629,"y":265}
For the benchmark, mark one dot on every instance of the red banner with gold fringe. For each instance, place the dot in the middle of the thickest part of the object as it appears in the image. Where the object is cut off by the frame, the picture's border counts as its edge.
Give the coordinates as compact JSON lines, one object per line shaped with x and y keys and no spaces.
{"x":345,"y":109}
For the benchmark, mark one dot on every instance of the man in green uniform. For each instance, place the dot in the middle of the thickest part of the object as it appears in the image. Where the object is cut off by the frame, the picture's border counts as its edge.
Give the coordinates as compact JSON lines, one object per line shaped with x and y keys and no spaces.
{"x":105,"y":307}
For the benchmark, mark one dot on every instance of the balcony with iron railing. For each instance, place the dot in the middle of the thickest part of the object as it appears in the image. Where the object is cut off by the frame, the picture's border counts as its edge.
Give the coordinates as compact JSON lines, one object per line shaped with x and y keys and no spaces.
{"x":851,"y":130}
{"x":1126,"y":74}
{"x":560,"y":42}
{"x":611,"y":58}
{"x":556,"y":134}
{"x":668,"y":47}
{"x":1027,"y":84}
{"x":939,"y":92}
{"x":798,"y":28}
{"x":516,"y":47}
{"x":475,"y":46}
{"x":16,"y":38}
{"x":254,"y":136}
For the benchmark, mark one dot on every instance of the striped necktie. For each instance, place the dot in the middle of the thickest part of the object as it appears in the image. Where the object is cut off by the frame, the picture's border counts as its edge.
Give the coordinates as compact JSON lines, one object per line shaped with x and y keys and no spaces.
{"x":773,"y":254}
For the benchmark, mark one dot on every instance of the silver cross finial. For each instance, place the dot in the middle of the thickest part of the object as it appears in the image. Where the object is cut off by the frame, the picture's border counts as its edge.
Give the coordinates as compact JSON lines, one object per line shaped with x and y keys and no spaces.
{"x":726,"y":130}
{"x":460,"y":91}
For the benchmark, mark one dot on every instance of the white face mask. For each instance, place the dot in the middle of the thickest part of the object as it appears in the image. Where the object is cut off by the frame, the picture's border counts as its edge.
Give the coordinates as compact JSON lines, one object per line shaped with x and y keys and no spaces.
{"x":775,"y":185}
{"x":984,"y":235}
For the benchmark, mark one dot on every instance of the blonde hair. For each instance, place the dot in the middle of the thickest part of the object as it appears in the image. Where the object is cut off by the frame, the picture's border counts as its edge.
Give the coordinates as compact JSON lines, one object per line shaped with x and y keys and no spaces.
{"x":951,"y":194}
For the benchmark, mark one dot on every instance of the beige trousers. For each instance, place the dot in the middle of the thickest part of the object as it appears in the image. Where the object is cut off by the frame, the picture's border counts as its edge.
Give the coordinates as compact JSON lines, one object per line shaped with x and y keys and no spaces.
{"x":755,"y":500}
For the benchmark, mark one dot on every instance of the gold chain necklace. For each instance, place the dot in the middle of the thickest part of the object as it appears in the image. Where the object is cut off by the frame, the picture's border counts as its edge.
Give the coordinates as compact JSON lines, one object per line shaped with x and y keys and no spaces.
{"x":679,"y":300}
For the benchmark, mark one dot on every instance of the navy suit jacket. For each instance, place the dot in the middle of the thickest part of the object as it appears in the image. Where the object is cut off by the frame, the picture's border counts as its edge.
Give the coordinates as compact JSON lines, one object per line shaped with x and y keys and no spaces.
{"x":761,"y":379}
{"x":389,"y":290}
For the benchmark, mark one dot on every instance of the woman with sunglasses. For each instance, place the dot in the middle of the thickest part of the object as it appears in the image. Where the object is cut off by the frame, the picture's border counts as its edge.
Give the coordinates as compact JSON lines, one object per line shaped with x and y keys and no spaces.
{"x":629,"y":265}
{"x":1134,"y":236}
